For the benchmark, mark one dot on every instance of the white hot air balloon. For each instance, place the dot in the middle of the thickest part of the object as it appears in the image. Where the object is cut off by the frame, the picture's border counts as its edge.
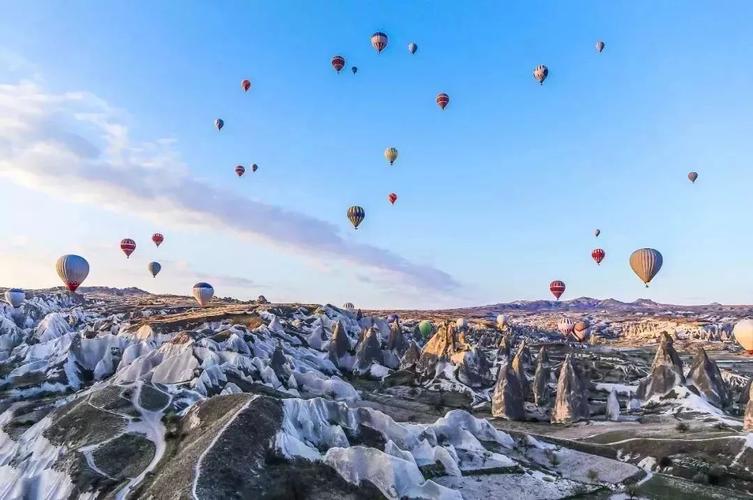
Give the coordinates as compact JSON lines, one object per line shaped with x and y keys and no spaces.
{"x":743,"y":332}
{"x":501,"y":320}
{"x":73,"y":270}
{"x":565,"y":326}
{"x":15,"y":297}
{"x":348,"y":306}
{"x":461,"y":324}
{"x":203,"y":293}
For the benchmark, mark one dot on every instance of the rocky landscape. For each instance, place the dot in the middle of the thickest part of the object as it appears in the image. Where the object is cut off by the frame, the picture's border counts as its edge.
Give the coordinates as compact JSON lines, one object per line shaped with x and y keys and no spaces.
{"x":122,"y":394}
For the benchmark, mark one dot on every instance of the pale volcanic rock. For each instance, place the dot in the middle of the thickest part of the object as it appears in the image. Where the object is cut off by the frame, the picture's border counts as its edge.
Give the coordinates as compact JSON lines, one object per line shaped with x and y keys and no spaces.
{"x":571,"y":400}
{"x":411,"y":357}
{"x":666,"y":371}
{"x":368,"y":352}
{"x":705,"y":376}
{"x":540,"y":389}
{"x":339,"y":346}
{"x":507,"y":400}
{"x":613,"y":406}
{"x":474,"y":369}
{"x":748,"y":419}
{"x":443,"y":345}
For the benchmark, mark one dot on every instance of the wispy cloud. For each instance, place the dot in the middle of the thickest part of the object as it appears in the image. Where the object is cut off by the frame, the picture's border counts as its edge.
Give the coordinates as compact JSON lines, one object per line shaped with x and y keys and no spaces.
{"x":77,"y":147}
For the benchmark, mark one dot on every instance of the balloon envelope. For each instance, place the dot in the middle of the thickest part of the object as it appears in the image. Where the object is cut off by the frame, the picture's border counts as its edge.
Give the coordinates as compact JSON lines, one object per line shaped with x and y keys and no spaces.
{"x":73,"y":270}
{"x":154,"y":268}
{"x":240,"y":170}
{"x":565,"y":325}
{"x":379,"y":41}
{"x":540,"y":73}
{"x":128,"y":246}
{"x":219,"y":123}
{"x":598,"y":255}
{"x":392,"y":198}
{"x":356,"y":215}
{"x":693,"y":176}
{"x":412,"y":48}
{"x":338,"y":62}
{"x":646,"y":262}
{"x":157,"y":238}
{"x":557,"y":288}
{"x":15,"y":297}
{"x":501,"y":320}
{"x":425,"y":328}
{"x":203,"y":293}
{"x":600,"y":46}
{"x":580,"y":331}
{"x":442,"y":100}
{"x":597,"y":232}
{"x":348,"y":306}
{"x":743,"y":333}
{"x":245,"y":85}
{"x":461,"y":323}
{"x":391,"y":155}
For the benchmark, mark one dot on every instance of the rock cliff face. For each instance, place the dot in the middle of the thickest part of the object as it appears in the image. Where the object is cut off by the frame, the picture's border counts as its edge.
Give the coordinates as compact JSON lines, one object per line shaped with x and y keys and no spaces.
{"x":666,"y":371}
{"x":540,"y":389}
{"x":507,"y":400}
{"x":411,"y":357}
{"x":443,"y":345}
{"x":519,"y":367}
{"x":705,"y":376}
{"x":339,"y":346}
{"x":368,"y":352}
{"x":613,"y":406}
{"x":475,"y":370}
{"x":571,"y":400}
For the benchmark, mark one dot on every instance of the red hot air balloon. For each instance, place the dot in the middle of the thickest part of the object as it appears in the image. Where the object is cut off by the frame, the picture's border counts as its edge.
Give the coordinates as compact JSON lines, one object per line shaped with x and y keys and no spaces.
{"x":245,"y":85}
{"x":442,"y":100}
{"x":557,"y":288}
{"x":240,"y":170}
{"x":392,"y":197}
{"x":338,"y":62}
{"x":598,"y":255}
{"x":128,"y":246}
{"x":157,"y":238}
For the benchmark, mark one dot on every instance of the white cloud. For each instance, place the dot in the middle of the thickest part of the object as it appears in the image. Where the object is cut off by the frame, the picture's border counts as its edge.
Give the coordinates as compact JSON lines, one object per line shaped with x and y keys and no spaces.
{"x":76,"y":147}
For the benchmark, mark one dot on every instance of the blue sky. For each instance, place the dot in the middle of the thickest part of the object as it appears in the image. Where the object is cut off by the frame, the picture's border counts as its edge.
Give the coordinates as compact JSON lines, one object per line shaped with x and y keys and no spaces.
{"x":498,"y":195}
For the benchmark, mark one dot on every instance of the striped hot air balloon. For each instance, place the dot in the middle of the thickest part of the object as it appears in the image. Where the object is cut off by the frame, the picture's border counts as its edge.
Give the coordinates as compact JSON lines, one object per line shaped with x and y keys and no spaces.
{"x":128,"y":246}
{"x":598,"y":255}
{"x":356,"y":215}
{"x":157,"y":238}
{"x":600,"y":46}
{"x":646,"y":262}
{"x":245,"y":85}
{"x":203,"y":293}
{"x":348,"y":306}
{"x":580,"y":331}
{"x":442,"y":100}
{"x":565,"y":325}
{"x":154,"y":268}
{"x":379,"y":41}
{"x":240,"y":170}
{"x":392,"y":198}
{"x":15,"y":297}
{"x":391,"y":155}
{"x":338,"y":62}
{"x":73,"y":270}
{"x":540,"y":73}
{"x":557,"y":288}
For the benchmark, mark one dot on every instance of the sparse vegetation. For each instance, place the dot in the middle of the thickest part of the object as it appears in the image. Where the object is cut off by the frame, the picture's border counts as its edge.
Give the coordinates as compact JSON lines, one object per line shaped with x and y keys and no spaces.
{"x":701,"y":478}
{"x":682,"y":427}
{"x":665,"y":462}
{"x":716,"y":474}
{"x":593,"y":475}
{"x":631,"y":491}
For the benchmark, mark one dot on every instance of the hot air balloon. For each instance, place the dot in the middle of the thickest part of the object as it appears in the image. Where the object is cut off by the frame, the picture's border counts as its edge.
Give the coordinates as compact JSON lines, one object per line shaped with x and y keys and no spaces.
{"x":157,"y":238}
{"x":203,"y":293}
{"x":391,"y":155}
{"x":557,"y":288}
{"x":338,"y":62}
{"x":154,"y":268}
{"x":128,"y":246}
{"x":392,"y":198}
{"x":356,"y":215}
{"x":348,"y":306}
{"x":412,"y":48}
{"x":598,"y":255}
{"x":442,"y":100}
{"x":743,"y":333}
{"x":15,"y":297}
{"x":693,"y":176}
{"x":501,"y":321}
{"x":245,"y":85}
{"x":240,"y":170}
{"x":540,"y":73}
{"x":73,"y":270}
{"x":379,"y":41}
{"x":565,"y":325}
{"x":580,"y":331}
{"x":646,"y":262}
{"x":597,"y":232}
{"x":219,"y":123}
{"x":354,"y":69}
{"x":600,"y":46}
{"x":392,"y":318}
{"x":425,"y":328}
{"x":254,"y":167}
{"x":461,"y":324}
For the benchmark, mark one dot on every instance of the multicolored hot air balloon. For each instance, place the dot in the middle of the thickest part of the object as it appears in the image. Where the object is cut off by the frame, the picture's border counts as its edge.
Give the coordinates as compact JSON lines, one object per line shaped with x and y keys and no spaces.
{"x":565,"y":325}
{"x":692,"y":176}
{"x":392,"y":198}
{"x":240,"y":170}
{"x":219,"y":123}
{"x":442,"y":100}
{"x":356,"y":215}
{"x":157,"y":238}
{"x":540,"y":73}
{"x":425,"y":328}
{"x":348,"y":306}
{"x":203,"y":293}
{"x":391,"y":155}
{"x":557,"y":288}
{"x":379,"y":41}
{"x":646,"y":262}
{"x":73,"y":270}
{"x":128,"y":246}
{"x":412,"y":48}
{"x":338,"y":62}
{"x":15,"y":297}
{"x":354,"y":69}
{"x":580,"y":331}
{"x":743,"y":333}
{"x":245,"y":85}
{"x":600,"y":46}
{"x":154,"y":268}
{"x":598,"y":255}
{"x":597,"y":232}
{"x":254,"y":167}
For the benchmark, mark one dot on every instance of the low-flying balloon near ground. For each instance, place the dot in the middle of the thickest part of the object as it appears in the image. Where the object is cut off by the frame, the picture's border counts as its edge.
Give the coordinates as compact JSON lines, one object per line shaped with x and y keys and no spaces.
{"x":356,"y":215}
{"x":565,"y":325}
{"x":15,"y":297}
{"x":73,"y":270}
{"x":646,"y":262}
{"x":157,"y":238}
{"x":693,"y":176}
{"x":245,"y":85}
{"x":154,"y":268}
{"x":557,"y":288}
{"x":580,"y":331}
{"x":501,"y":321}
{"x":203,"y":293}
{"x":412,"y":48}
{"x":379,"y":41}
{"x":391,"y":155}
{"x":540,"y":73}
{"x":128,"y":246}
{"x":442,"y":100}
{"x":743,"y":333}
{"x":598,"y":255}
{"x":240,"y":170}
{"x":425,"y":328}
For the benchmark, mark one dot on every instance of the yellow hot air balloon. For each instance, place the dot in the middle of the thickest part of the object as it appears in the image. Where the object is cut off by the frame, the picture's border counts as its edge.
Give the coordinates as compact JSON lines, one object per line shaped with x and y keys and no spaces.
{"x":743,"y":333}
{"x":391,"y":155}
{"x":646,"y":262}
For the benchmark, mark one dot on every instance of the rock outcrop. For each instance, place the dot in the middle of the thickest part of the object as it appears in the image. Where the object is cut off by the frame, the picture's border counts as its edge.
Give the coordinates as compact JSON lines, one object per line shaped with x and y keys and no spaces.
{"x":503,"y":348}
{"x":396,"y":341}
{"x":540,"y":389}
{"x":474,"y":369}
{"x":613,"y":406}
{"x":571,"y":401}
{"x":339,"y":346}
{"x":443,"y":345}
{"x":748,"y":420}
{"x":666,"y":371}
{"x":705,"y":376}
{"x":519,"y":367}
{"x":411,"y":357}
{"x":507,"y":400}
{"x":368,"y":352}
